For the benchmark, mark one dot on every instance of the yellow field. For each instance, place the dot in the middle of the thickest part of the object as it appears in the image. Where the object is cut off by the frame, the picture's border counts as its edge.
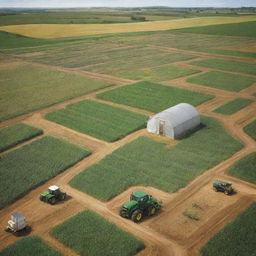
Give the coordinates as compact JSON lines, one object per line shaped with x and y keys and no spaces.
{"x":75,"y":30}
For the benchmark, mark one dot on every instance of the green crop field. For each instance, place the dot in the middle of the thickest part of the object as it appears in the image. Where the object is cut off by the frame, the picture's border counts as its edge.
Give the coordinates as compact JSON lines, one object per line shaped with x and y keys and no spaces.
{"x":31,"y":165}
{"x":228,"y":65}
{"x":147,"y":162}
{"x":153,"y":97}
{"x":27,"y":88}
{"x":233,"y":106}
{"x":98,"y":120}
{"x":245,"y":168}
{"x":237,"y":237}
{"x":27,"y":246}
{"x":87,"y":233}
{"x":250,"y":129}
{"x":234,"y":29}
{"x":224,"y":81}
{"x":157,"y":74}
{"x":15,"y":134}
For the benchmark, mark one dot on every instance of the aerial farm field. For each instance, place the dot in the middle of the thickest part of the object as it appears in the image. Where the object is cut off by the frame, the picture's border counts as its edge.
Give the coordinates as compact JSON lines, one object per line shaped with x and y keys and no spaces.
{"x":77,"y":89}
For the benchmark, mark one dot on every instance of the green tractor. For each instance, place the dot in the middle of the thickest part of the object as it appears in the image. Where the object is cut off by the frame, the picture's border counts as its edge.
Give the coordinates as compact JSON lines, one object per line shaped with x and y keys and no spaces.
{"x":222,"y":186}
{"x":53,"y":195}
{"x":140,"y":205}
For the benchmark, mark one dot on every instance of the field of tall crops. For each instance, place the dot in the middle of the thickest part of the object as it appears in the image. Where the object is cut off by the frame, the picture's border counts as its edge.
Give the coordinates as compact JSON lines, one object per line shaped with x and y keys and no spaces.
{"x":33,"y":164}
{"x":87,"y":233}
{"x":250,"y":129}
{"x":147,"y":162}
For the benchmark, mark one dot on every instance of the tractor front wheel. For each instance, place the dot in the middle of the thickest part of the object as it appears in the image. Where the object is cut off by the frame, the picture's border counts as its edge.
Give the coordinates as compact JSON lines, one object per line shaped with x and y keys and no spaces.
{"x":41,"y":198}
{"x":52,"y":200}
{"x":137,"y":216}
{"x":152,"y":210}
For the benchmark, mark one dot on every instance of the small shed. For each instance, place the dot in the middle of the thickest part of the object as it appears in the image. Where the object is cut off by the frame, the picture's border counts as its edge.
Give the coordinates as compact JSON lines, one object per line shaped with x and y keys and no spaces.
{"x":174,"y":122}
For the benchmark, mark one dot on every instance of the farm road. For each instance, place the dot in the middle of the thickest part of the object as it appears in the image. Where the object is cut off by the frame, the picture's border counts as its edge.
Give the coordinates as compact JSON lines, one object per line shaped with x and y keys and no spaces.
{"x":43,"y":217}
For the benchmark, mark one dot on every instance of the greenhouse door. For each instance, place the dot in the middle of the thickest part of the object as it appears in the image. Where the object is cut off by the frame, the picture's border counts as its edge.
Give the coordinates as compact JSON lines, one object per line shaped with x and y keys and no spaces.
{"x":161,"y":127}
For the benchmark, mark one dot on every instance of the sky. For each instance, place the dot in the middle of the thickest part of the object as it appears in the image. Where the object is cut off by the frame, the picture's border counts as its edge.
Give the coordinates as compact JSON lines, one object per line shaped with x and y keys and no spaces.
{"x":125,"y":3}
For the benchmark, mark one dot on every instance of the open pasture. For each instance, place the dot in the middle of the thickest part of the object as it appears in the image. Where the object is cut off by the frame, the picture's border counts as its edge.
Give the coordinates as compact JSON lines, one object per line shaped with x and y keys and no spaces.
{"x":87,"y":233}
{"x":236,"y":238}
{"x":245,"y":168}
{"x":153,"y":97}
{"x":15,"y":134}
{"x":146,"y":162}
{"x":32,"y":87}
{"x":223,"y":81}
{"x":31,"y":165}
{"x":233,"y":106}
{"x":250,"y":129}
{"x":76,"y":30}
{"x":98,"y":120}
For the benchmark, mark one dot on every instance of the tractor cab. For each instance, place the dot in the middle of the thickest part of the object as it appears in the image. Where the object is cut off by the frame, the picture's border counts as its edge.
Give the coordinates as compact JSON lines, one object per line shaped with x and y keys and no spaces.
{"x":140,"y":197}
{"x":54,"y":190}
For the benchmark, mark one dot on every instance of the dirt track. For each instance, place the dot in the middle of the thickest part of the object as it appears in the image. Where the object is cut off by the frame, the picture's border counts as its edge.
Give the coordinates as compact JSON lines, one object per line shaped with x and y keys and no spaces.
{"x":155,"y":232}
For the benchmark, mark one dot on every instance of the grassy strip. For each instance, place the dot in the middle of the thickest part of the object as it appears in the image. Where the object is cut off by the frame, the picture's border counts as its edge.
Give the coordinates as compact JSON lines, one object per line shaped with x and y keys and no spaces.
{"x":27,"y":88}
{"x":234,"y":29}
{"x":245,"y":168}
{"x":233,"y":106}
{"x":224,"y":81}
{"x":98,"y":120}
{"x":31,"y":165}
{"x":228,"y":65}
{"x":153,"y":97}
{"x":13,"y":135}
{"x":236,"y":238}
{"x":162,"y":73}
{"x":31,"y":245}
{"x":101,"y":236}
{"x":147,"y":162}
{"x":250,"y":129}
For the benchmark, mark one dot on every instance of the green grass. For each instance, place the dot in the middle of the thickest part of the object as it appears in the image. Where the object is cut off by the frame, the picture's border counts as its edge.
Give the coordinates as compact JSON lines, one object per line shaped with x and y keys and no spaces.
{"x":228,"y":65}
{"x":27,"y":88}
{"x":245,"y":168}
{"x":146,"y":162}
{"x":15,"y":134}
{"x":31,"y":165}
{"x":224,"y":81}
{"x":153,"y":97}
{"x":233,"y":106}
{"x":250,"y":129}
{"x":162,"y":73}
{"x":87,"y":233}
{"x":98,"y":120}
{"x":237,"y":237}
{"x":31,"y":245}
{"x":247,"y":29}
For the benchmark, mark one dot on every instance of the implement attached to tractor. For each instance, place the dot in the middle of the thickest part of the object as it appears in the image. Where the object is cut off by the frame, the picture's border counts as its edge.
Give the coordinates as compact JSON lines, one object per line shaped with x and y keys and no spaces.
{"x":140,"y":205}
{"x":53,"y":195}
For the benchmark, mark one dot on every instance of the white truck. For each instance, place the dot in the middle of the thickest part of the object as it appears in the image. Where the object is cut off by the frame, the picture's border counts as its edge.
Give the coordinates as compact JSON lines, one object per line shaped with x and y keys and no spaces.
{"x":16,"y":223}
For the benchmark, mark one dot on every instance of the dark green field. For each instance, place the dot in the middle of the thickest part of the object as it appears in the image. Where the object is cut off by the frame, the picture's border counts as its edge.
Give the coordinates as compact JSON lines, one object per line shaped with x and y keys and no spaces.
{"x":98,"y":120}
{"x":153,"y":97}
{"x":250,"y":129}
{"x":237,"y":237}
{"x":33,"y":164}
{"x":15,"y":134}
{"x":87,"y":233}
{"x":141,"y":162}
{"x":28,"y":246}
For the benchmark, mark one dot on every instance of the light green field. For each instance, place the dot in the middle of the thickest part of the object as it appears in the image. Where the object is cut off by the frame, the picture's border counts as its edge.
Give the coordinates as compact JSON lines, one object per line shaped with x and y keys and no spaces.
{"x":31,"y":165}
{"x":228,"y":65}
{"x":87,"y":233}
{"x":224,"y":81}
{"x":250,"y":129}
{"x":158,"y":74}
{"x":31,"y":245}
{"x":236,"y":238}
{"x":98,"y":120}
{"x":153,"y":97}
{"x":245,"y":168}
{"x":233,"y":106}
{"x":15,"y":134}
{"x":140,"y":163}
{"x":27,"y":88}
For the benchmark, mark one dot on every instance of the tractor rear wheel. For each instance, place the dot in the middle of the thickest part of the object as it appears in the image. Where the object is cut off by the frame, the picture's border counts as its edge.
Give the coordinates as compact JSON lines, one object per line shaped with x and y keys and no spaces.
{"x":137,"y":216}
{"x":151,"y":210}
{"x":52,"y":200}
